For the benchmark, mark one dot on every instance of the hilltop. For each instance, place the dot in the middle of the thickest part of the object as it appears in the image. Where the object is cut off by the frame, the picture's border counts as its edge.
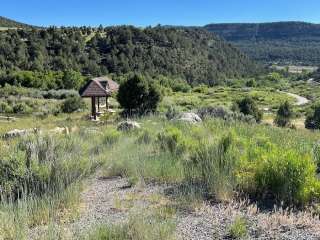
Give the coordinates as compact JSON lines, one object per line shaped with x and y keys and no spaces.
{"x":278,"y":42}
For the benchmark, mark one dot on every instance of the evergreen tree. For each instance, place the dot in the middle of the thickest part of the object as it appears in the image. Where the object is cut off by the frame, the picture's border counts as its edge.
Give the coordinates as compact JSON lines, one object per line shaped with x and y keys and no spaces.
{"x":284,"y":115}
{"x":138,"y":95}
{"x":313,"y":118}
{"x":248,"y":107}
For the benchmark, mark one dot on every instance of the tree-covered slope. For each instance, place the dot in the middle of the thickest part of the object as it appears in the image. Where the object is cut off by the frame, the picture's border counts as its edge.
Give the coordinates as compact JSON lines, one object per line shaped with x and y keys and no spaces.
{"x":193,"y":54}
{"x":283,"y":42}
{"x":8,"y":23}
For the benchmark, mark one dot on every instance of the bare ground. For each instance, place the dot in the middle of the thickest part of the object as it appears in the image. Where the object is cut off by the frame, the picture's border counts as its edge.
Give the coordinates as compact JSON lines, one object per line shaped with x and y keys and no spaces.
{"x":112,"y":200}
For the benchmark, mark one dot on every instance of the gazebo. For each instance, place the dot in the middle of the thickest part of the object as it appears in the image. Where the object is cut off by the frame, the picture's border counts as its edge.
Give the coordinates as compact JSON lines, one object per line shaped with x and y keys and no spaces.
{"x":96,"y":88}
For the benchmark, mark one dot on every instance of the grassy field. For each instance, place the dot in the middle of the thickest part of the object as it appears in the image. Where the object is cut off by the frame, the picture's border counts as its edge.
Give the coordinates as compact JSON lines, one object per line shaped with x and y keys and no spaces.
{"x":225,"y":96}
{"x":257,"y":160}
{"x":42,"y":175}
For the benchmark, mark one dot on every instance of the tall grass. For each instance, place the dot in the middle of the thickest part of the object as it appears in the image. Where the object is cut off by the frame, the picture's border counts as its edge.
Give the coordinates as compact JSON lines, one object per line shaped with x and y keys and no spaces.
{"x":222,"y":159}
{"x":39,"y":175}
{"x":211,"y":166}
{"x":40,"y":180}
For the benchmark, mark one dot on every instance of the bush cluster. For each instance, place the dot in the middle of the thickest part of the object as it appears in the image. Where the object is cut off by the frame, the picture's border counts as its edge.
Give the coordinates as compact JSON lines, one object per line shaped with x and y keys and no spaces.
{"x":11,"y":90}
{"x":223,"y":113}
{"x":43,"y":164}
{"x":72,"y":104}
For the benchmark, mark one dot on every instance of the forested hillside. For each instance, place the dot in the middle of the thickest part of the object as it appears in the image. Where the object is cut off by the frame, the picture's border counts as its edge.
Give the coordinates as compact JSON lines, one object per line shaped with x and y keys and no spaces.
{"x":192,"y":54}
{"x":280,"y":42}
{"x":8,"y":23}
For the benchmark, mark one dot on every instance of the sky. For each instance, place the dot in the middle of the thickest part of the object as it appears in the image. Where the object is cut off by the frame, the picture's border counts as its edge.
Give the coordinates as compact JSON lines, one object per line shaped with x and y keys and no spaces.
{"x":150,"y":12}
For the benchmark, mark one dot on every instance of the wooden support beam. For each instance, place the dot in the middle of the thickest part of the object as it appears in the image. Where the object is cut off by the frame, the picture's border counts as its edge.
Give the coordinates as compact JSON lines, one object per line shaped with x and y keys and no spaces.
{"x":107,"y":103}
{"x":93,"y":108}
{"x":98,"y":104}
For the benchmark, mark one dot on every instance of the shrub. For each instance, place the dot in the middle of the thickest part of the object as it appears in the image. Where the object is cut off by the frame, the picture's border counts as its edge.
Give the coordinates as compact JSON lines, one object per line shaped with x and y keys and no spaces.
{"x":251,"y":83}
{"x":220,"y":112}
{"x":172,"y":113}
{"x":172,"y":139}
{"x":212,"y":166}
{"x":316,"y":154}
{"x":5,"y":108}
{"x":284,"y":115}
{"x":180,"y":86}
{"x":287,"y":176}
{"x":313,"y":118}
{"x":145,"y":137}
{"x":177,"y":84}
{"x":21,"y":108}
{"x":72,"y":104}
{"x":201,"y":89}
{"x":59,"y":94}
{"x":43,"y":164}
{"x":247,"y":106}
{"x":111,"y":137}
{"x":238,"y":228}
{"x":138,"y":95}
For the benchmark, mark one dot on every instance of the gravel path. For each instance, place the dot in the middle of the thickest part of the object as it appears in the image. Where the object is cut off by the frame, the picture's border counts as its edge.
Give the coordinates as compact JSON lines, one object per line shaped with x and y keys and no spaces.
{"x":213,"y":222}
{"x":299,"y":99}
{"x":103,"y":202}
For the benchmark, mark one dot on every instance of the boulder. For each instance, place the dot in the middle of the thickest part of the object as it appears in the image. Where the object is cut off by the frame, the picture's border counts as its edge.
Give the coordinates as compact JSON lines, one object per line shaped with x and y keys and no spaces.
{"x":128,"y":125}
{"x":20,"y":132}
{"x":60,"y":130}
{"x":189,"y":117}
{"x":15,"y":133}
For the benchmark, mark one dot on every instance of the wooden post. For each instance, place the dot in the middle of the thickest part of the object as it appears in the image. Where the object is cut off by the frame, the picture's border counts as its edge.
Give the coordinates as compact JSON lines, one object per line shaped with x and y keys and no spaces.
{"x":98,"y":104}
{"x":107,"y":103}
{"x":93,"y":108}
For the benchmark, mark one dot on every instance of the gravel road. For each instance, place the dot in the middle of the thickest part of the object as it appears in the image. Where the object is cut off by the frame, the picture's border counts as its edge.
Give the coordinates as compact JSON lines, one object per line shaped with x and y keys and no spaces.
{"x":299,"y":99}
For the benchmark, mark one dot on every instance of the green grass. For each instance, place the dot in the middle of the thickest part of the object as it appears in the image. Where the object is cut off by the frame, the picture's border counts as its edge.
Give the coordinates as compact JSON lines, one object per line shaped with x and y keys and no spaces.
{"x":222,"y":157}
{"x":238,"y":229}
{"x":225,"y":96}
{"x":215,"y":159}
{"x":145,"y":226}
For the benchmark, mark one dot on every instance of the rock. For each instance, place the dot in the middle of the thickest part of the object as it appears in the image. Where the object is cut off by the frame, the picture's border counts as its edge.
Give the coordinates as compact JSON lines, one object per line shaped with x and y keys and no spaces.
{"x":20,"y":132}
{"x":128,"y":125}
{"x":59,"y":130}
{"x":15,"y":133}
{"x":189,"y":117}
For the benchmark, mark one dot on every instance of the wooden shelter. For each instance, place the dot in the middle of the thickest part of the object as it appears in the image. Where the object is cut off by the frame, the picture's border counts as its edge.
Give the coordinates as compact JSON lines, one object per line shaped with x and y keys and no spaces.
{"x":97,"y":88}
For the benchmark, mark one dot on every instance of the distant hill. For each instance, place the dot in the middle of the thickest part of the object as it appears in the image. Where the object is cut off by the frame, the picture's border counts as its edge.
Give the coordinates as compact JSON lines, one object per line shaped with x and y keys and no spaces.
{"x":279,"y":42}
{"x":8,"y":23}
{"x":192,"y":54}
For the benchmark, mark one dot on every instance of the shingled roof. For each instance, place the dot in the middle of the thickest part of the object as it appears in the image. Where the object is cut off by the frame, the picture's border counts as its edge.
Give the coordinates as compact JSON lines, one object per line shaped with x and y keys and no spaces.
{"x":99,"y":87}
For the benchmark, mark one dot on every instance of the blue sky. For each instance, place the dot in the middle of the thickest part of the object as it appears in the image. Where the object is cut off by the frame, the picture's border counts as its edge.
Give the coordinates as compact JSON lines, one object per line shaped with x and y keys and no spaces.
{"x":150,"y":12}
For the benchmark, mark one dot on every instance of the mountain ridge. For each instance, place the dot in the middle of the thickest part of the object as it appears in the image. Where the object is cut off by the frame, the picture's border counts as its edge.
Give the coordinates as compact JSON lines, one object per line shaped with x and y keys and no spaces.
{"x":291,"y":42}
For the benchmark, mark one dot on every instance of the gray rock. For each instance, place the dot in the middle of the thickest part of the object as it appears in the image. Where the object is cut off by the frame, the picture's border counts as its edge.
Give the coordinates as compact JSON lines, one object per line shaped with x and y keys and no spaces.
{"x":19,"y":133}
{"x":189,"y":117}
{"x":128,"y":125}
{"x":60,"y":130}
